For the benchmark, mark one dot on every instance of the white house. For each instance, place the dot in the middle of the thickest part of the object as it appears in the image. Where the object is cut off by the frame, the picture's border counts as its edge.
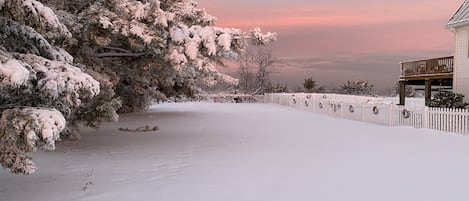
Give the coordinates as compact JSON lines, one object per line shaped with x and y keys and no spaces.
{"x":459,"y":24}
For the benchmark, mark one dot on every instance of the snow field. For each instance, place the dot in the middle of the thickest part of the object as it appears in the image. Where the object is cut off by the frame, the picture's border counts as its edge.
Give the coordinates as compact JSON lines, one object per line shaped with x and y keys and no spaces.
{"x":247,"y":152}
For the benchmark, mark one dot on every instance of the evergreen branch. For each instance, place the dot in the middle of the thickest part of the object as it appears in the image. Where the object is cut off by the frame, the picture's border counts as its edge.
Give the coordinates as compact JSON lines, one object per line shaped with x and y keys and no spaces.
{"x":115,"y":54}
{"x":117,"y":49}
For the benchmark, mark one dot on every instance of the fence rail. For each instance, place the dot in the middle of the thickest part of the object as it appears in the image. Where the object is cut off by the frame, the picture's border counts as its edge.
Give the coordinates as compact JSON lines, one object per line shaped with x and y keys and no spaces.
{"x":375,"y":110}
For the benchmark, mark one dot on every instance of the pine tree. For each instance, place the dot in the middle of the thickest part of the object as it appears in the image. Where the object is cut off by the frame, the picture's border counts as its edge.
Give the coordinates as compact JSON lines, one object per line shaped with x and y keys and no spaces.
{"x":309,"y":84}
{"x":157,"y":49}
{"x":123,"y":50}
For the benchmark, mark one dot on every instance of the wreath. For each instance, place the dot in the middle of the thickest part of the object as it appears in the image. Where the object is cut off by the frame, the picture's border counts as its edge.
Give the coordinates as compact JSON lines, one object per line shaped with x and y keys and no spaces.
{"x":308,"y":96}
{"x":351,"y":109}
{"x":375,"y":110}
{"x":405,"y":113}
{"x":324,"y":97}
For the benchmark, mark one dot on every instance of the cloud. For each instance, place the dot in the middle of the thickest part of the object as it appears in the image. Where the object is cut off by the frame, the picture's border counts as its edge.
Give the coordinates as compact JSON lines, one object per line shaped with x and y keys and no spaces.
{"x":244,"y":13}
{"x":392,"y":37}
{"x":335,"y":41}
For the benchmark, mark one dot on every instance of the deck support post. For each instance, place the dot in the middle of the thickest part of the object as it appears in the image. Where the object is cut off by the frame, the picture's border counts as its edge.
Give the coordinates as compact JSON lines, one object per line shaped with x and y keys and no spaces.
{"x":428,"y":91}
{"x":402,"y":85}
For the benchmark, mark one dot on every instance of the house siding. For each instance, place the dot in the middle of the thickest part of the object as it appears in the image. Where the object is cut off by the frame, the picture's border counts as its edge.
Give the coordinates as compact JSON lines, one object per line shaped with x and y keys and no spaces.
{"x":461,"y":58}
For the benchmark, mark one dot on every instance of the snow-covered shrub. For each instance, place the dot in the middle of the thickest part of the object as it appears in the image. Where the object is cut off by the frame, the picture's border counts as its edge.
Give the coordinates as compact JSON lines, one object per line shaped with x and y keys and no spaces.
{"x":448,"y":99}
{"x":360,"y":87}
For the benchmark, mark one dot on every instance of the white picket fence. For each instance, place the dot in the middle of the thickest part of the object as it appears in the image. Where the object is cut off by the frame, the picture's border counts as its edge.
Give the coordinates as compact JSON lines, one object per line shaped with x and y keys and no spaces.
{"x":375,"y":110}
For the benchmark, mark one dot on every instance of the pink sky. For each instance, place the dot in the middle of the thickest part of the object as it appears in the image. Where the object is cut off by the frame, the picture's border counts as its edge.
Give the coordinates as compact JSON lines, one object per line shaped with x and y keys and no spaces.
{"x":346,"y":37}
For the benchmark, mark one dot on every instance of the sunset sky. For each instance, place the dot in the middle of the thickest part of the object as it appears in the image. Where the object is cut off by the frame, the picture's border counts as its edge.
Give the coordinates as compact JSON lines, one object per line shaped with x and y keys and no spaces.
{"x":339,"y":40}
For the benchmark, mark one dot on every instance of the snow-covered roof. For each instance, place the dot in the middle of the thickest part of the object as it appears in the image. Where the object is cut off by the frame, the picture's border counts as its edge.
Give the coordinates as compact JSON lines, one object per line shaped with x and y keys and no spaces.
{"x":461,"y":17}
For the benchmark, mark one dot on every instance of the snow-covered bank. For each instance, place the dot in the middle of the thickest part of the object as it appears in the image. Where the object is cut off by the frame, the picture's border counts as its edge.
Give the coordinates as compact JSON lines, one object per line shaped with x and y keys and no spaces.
{"x":241,"y":152}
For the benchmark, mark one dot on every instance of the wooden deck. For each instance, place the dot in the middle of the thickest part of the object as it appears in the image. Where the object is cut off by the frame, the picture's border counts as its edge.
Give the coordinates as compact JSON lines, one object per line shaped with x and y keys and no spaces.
{"x":437,"y":68}
{"x":425,"y":72}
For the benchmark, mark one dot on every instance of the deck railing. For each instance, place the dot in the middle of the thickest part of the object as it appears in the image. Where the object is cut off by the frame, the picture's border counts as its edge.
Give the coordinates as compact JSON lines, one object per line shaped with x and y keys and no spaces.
{"x":427,"y":67}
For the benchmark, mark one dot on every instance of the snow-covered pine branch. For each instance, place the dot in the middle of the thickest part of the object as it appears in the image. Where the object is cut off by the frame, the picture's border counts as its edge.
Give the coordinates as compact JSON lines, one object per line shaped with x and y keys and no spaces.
{"x":54,"y":80}
{"x":43,"y":94}
{"x":28,"y":81}
{"x":260,"y":38}
{"x":34,"y":14}
{"x":21,"y":38}
{"x":24,"y":130}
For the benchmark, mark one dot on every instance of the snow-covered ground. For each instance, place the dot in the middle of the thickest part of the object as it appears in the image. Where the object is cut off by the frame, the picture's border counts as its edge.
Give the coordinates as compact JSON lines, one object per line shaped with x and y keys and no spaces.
{"x":247,"y":152}
{"x":409,"y":102}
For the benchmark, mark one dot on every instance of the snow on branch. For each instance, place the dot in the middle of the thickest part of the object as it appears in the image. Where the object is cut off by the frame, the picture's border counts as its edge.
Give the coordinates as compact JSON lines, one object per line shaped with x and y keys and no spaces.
{"x":24,"y":130}
{"x":61,"y":80}
{"x":33,"y":13}
{"x":55,"y":79}
{"x":126,"y":23}
{"x":20,"y":38}
{"x":13,"y":73}
{"x":260,"y":38}
{"x":187,"y":11}
{"x":196,"y":43}
{"x":43,"y":82}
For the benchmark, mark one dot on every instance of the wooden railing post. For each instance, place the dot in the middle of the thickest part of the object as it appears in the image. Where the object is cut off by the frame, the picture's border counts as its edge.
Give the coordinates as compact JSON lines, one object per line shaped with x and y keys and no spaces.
{"x":428,"y":91}
{"x":402,"y":92}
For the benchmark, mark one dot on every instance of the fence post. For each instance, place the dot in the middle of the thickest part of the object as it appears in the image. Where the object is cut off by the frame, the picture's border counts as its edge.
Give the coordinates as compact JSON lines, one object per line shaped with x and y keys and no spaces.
{"x":313,"y":102}
{"x":426,"y":117}
{"x":391,"y":114}
{"x":341,"y":109}
{"x":363,"y":111}
{"x":290,"y":100}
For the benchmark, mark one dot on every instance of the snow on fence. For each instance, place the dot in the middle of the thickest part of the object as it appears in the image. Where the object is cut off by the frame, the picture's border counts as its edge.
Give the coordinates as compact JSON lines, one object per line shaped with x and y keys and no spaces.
{"x":375,"y":110}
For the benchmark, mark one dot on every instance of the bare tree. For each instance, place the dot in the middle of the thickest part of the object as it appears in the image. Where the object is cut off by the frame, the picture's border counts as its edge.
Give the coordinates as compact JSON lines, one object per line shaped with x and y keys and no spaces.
{"x":246,"y":74}
{"x":277,"y":88}
{"x":265,"y":61}
{"x":255,"y":69}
